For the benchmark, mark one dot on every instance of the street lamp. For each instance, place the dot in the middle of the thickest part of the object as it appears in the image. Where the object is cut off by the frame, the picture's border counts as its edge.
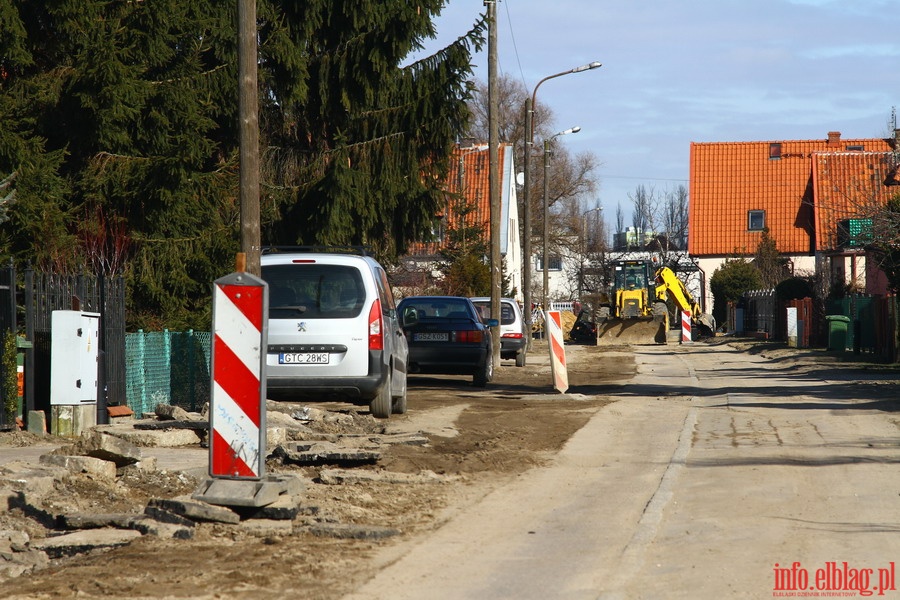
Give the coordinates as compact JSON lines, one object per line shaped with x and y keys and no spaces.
{"x":547,"y":210}
{"x":529,"y":142}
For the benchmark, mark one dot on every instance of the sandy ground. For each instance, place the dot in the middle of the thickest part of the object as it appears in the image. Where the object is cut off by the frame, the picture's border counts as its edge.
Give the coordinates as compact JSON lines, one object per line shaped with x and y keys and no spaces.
{"x":479,"y":439}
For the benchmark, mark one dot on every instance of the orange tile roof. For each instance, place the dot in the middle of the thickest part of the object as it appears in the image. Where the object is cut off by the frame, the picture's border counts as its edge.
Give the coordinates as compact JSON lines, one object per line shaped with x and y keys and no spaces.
{"x":474,"y":181}
{"x":729,"y":179}
{"x":848,"y":185}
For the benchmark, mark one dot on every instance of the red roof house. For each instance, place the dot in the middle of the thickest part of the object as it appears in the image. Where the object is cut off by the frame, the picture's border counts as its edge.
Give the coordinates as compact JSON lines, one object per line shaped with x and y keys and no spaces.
{"x":800,"y":190}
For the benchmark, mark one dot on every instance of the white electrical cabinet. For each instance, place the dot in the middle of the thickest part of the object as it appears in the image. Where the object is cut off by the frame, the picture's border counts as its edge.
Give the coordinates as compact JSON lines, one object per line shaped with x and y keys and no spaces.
{"x":74,"y":352}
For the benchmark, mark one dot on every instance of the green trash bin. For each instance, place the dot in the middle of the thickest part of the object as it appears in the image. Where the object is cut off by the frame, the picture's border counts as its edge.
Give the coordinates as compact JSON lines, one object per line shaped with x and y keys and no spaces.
{"x":838,"y":330}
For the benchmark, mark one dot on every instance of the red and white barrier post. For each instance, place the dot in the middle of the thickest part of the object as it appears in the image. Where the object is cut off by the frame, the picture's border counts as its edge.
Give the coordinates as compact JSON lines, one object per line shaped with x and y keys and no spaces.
{"x":237,"y":440}
{"x":553,"y":321}
{"x":686,"y":327}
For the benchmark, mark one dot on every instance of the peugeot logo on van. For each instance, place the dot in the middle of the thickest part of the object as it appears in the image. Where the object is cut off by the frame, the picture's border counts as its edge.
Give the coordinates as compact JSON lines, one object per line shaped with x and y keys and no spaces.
{"x":301,"y":326}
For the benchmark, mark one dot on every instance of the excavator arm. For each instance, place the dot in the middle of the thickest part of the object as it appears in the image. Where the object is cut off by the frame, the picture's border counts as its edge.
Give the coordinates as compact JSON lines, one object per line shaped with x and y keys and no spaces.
{"x":669,"y":286}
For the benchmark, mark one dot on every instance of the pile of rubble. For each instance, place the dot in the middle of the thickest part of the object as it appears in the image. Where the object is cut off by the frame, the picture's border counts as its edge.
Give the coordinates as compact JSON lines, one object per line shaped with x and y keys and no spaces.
{"x":88,"y":494}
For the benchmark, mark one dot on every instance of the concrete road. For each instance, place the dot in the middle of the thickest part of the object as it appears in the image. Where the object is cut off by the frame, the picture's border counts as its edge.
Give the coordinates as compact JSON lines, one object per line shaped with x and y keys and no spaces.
{"x":716,"y":475}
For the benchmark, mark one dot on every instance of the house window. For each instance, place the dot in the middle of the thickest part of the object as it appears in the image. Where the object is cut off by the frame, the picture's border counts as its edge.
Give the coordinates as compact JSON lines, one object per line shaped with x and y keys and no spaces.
{"x":775,"y":151}
{"x":756,"y":220}
{"x":555,"y":263}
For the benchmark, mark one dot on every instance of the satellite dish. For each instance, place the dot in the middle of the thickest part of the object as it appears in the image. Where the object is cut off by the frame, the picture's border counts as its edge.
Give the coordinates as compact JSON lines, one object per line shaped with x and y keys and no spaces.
{"x":520,"y":178}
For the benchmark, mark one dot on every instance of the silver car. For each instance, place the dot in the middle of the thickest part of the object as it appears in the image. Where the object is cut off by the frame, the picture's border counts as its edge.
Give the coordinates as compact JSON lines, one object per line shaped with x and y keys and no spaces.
{"x":333,"y":330}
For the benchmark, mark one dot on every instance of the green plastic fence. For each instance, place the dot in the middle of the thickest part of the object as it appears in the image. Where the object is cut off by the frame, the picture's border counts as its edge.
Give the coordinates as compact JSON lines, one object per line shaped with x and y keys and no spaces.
{"x":165,"y":367}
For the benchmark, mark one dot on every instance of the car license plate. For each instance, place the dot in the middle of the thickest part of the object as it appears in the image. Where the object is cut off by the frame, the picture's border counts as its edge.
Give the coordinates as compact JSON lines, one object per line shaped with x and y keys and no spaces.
{"x":431,"y":337}
{"x":303,"y":358}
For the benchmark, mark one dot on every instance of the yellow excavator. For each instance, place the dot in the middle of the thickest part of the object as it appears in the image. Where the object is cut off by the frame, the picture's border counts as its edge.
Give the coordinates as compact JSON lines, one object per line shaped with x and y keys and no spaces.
{"x":637,"y":307}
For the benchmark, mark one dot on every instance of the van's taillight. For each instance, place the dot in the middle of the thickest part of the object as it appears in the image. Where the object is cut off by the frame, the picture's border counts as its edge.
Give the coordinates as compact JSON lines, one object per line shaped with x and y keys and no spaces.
{"x":376,"y":327}
{"x":517,"y":336}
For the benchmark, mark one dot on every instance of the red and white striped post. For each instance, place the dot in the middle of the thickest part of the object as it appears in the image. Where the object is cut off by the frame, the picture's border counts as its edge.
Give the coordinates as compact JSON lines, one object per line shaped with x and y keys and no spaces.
{"x":686,"y":327}
{"x":237,"y":422}
{"x":553,"y":320}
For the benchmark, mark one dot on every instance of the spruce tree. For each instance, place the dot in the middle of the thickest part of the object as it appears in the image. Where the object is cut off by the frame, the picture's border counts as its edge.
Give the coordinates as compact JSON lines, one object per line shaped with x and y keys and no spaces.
{"x":359,"y":145}
{"x":120,"y":132}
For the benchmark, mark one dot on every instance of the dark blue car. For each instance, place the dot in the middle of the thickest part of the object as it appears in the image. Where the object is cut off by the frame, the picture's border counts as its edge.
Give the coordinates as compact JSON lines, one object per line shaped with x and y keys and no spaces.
{"x":446,"y":335}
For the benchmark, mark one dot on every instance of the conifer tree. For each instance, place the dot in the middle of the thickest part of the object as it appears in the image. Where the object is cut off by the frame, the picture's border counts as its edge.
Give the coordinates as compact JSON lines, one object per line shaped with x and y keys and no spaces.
{"x":359,"y":145}
{"x":120,"y":133}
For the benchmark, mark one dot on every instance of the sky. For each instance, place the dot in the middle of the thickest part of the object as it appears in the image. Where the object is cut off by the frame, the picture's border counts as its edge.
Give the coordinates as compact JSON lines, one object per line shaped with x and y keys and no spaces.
{"x":682,"y":71}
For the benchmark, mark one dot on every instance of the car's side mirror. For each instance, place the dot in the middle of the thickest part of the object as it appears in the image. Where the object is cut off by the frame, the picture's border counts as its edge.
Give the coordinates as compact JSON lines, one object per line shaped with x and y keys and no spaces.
{"x":492,"y":323}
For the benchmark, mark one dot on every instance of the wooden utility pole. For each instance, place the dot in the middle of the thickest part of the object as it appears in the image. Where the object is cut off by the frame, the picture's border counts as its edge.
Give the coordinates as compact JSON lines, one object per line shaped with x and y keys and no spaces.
{"x":248,"y":109}
{"x":494,"y":176}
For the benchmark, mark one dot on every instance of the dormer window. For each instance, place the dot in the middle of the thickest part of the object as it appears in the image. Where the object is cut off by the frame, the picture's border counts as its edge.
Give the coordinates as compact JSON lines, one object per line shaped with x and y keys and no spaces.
{"x":756,"y":220}
{"x":775,"y":151}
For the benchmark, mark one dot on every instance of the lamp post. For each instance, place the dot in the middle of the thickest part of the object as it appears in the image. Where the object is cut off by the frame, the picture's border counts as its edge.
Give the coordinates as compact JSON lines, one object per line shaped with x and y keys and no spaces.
{"x":529,"y":142}
{"x":545,"y":260}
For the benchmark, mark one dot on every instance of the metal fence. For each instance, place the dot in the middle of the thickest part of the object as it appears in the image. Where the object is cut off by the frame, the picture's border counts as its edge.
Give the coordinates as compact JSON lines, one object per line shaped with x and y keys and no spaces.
{"x":166,"y":367}
{"x":872,"y":329}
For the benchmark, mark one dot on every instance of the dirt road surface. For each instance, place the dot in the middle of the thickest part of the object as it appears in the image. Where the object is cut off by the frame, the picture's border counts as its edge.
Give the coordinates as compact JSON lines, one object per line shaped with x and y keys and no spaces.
{"x":664,"y":472}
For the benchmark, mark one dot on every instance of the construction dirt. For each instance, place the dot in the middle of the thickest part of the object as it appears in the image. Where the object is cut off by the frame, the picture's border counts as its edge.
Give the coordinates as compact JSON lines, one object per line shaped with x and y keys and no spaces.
{"x":351,"y":519}
{"x":473,"y":441}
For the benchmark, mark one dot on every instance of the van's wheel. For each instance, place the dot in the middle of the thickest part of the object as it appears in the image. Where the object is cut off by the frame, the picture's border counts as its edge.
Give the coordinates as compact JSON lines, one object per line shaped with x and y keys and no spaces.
{"x":520,"y":358}
{"x":399,"y":403}
{"x":380,"y":406}
{"x":485,"y":373}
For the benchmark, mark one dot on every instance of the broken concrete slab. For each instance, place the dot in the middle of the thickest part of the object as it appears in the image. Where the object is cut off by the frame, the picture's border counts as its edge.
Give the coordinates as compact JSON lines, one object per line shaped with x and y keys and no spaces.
{"x":34,"y":480}
{"x":16,"y":555}
{"x":77,"y":521}
{"x":196,"y":510}
{"x":166,"y":516}
{"x":78,"y":542}
{"x":172,"y":424}
{"x":354,"y":532}
{"x":97,"y":468}
{"x":149,"y":526}
{"x":99,"y":444}
{"x":347,"y":476}
{"x":317,"y":453}
{"x":285,"y":508}
{"x":169,"y":412}
{"x":153,"y":438}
